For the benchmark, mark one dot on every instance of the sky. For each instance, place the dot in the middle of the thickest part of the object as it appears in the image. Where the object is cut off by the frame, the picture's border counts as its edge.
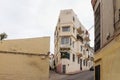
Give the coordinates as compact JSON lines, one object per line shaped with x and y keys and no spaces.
{"x":38,"y":18}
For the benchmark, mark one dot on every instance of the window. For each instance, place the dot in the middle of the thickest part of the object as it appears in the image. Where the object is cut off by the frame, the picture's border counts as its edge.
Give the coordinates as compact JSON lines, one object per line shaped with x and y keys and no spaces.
{"x":66,"y":28}
{"x":70,"y":41}
{"x":84,"y":62}
{"x":65,"y":55}
{"x":97,"y":29}
{"x":73,"y":57}
{"x":81,"y":48}
{"x":80,"y":64}
{"x":65,"y":40}
{"x":73,"y":30}
{"x":73,"y":18}
{"x":78,"y":60}
{"x":73,"y":44}
{"x":83,"y":52}
{"x":97,"y":72}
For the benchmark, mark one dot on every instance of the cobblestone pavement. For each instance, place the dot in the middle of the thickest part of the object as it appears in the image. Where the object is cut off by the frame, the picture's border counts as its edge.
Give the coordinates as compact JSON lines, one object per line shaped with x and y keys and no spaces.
{"x":86,"y":75}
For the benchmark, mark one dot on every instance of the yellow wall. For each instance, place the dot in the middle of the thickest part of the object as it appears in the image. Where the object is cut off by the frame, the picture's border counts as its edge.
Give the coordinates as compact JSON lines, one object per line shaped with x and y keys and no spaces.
{"x":25,"y":67}
{"x":32,"y":45}
{"x":109,"y":59}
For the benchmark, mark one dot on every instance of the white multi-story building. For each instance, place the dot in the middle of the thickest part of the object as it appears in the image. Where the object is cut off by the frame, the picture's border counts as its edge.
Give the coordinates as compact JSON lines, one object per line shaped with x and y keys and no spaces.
{"x":71,"y":41}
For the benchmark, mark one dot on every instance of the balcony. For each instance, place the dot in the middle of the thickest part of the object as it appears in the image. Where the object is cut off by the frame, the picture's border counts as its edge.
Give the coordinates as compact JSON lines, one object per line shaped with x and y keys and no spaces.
{"x":86,"y":45}
{"x":79,"y":54}
{"x":65,"y":47}
{"x":79,"y":38}
{"x":87,"y":59}
{"x":86,"y":38}
{"x":92,"y":58}
{"x":80,"y":31}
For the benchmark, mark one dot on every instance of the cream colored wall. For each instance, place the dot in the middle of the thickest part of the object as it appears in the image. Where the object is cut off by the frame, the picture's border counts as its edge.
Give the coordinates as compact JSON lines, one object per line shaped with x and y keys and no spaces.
{"x":106,"y":17}
{"x":109,"y":59}
{"x":25,"y":66}
{"x":71,"y":67}
{"x":66,"y":16}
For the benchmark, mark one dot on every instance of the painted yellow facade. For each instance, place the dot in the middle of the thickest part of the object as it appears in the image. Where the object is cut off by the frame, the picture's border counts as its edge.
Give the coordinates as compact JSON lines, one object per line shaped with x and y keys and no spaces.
{"x":109,"y":58}
{"x":25,"y":59}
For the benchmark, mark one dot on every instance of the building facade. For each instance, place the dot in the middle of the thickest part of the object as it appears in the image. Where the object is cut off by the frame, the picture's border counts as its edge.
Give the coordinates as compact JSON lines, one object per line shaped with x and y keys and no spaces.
{"x":107,"y":39}
{"x":25,"y":59}
{"x":71,"y":42}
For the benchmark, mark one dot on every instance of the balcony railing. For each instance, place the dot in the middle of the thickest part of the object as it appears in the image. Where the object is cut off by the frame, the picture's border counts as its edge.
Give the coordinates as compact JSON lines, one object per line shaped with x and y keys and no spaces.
{"x":79,"y":54}
{"x":86,"y":45}
{"x":80,"y":31}
{"x":65,"y":47}
{"x":87,"y":38}
{"x":79,"y":38}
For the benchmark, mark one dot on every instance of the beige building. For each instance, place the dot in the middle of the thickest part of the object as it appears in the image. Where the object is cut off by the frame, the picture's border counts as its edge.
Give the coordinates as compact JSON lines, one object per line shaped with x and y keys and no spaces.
{"x":71,"y":42}
{"x":25,"y":59}
{"x":107,"y":39}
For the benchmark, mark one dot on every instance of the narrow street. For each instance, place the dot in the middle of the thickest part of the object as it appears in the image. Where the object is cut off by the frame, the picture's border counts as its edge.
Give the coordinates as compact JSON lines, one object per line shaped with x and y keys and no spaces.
{"x":87,"y":75}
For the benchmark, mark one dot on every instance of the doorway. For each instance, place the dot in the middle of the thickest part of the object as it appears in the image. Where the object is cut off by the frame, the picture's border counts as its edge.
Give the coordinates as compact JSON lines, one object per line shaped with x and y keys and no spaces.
{"x":80,"y":64}
{"x":64,"y":69}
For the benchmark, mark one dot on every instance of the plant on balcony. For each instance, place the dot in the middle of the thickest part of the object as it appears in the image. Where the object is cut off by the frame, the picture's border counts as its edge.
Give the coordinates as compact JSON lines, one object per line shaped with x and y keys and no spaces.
{"x":65,"y":55}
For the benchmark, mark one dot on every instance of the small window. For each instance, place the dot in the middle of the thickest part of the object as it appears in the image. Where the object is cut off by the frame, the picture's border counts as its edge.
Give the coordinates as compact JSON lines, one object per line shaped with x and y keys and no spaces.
{"x":84,"y":62}
{"x":73,"y":44}
{"x":78,"y":60}
{"x":73,"y":57}
{"x":66,"y":28}
{"x":81,"y":48}
{"x":73,"y":18}
{"x":73,"y":30}
{"x":83,"y":52}
{"x":70,"y":41}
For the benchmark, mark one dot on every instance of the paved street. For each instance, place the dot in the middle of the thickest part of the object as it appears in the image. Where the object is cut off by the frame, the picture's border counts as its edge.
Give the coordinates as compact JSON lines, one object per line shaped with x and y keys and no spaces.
{"x":87,"y":75}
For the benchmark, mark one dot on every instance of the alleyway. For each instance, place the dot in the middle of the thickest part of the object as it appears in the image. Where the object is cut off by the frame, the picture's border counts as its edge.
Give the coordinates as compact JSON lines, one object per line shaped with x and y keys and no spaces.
{"x":87,"y":75}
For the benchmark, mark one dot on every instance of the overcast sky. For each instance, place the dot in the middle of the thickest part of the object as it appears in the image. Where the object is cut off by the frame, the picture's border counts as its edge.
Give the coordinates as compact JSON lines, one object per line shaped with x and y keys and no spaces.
{"x":37,"y":18}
